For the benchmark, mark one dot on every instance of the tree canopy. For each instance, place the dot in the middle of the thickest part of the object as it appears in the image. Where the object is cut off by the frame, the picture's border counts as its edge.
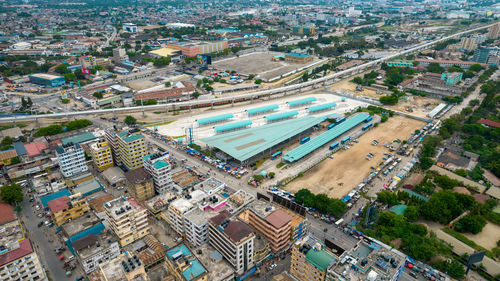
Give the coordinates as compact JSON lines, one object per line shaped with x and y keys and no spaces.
{"x":11,"y":193}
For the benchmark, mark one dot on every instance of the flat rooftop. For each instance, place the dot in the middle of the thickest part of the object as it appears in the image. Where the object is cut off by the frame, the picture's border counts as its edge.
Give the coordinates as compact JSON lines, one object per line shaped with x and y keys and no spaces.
{"x":247,"y":143}
{"x":218,"y":268}
{"x":183,"y":204}
{"x":80,"y":224}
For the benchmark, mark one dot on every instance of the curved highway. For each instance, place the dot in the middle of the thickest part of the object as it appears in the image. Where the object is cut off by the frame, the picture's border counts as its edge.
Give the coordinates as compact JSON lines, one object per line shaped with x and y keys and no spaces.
{"x":309,"y":85}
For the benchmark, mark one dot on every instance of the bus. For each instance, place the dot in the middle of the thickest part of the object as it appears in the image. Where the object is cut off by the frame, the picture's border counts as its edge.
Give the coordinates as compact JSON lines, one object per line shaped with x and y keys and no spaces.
{"x":275,"y":155}
{"x":340,"y":120}
{"x":331,"y":126}
{"x":334,"y":145}
{"x":344,"y":140}
{"x":304,"y":140}
{"x":367,"y":126}
{"x":368,"y":119}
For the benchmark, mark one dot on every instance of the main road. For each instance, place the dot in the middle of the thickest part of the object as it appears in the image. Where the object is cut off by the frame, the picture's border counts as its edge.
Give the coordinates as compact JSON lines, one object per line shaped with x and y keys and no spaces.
{"x":286,"y":90}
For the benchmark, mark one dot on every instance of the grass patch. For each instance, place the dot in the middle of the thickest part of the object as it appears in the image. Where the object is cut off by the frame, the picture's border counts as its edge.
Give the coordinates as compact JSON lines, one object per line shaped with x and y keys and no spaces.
{"x":260,"y":162}
{"x":158,"y":123}
{"x":468,"y":242}
{"x":280,"y":164}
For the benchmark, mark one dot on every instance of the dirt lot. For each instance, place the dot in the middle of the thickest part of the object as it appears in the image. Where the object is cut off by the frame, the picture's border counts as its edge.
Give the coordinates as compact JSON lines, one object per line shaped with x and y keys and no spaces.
{"x":346,"y":85}
{"x":417,"y":106}
{"x":488,"y":237}
{"x":337,"y":177}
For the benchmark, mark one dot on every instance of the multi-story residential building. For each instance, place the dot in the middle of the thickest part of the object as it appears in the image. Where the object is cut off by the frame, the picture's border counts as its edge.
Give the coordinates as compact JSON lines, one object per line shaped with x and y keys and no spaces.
{"x":112,"y":137}
{"x":451,"y":78}
{"x":67,"y":208}
{"x":233,"y":239}
{"x":489,"y":55}
{"x":184,"y":265}
{"x":101,"y":154}
{"x":87,"y":61}
{"x":71,"y":159}
{"x":93,"y":250}
{"x":494,"y":31}
{"x":180,"y":206}
{"x":18,"y":260}
{"x":468,"y":43}
{"x":158,"y":166}
{"x":132,"y":149}
{"x":310,"y":260}
{"x":119,"y":55}
{"x":127,"y":219}
{"x":125,"y":267}
{"x":273,"y":223}
{"x":140,"y":184}
{"x":299,"y":224}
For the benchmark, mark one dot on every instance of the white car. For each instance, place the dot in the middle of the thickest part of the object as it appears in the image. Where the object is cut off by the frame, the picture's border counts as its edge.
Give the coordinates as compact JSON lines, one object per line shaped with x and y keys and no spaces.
{"x":273,"y":266}
{"x":37,"y":207}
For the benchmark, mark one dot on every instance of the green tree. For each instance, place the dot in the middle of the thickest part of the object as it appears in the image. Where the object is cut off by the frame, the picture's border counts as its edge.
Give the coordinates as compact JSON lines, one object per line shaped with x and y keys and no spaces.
{"x":162,"y":61}
{"x":65,"y":101}
{"x":305,"y":76}
{"x":470,"y":223}
{"x":98,"y":95}
{"x":62,"y":68}
{"x":130,"y":120}
{"x":412,"y":213}
{"x":358,"y":80}
{"x":435,"y":68}
{"x":389,"y":99}
{"x":168,"y":84}
{"x":11,"y":193}
{"x":258,"y":81}
{"x":475,"y":67}
{"x":387,"y":197}
{"x":426,"y":163}
{"x":195,"y":95}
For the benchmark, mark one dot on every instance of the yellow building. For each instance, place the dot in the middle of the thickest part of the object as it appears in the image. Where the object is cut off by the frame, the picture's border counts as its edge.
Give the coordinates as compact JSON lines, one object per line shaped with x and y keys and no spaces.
{"x":64,"y":209}
{"x":127,"y":219}
{"x":132,"y":149}
{"x":101,"y":154}
{"x":310,"y":261}
{"x":140,"y":184}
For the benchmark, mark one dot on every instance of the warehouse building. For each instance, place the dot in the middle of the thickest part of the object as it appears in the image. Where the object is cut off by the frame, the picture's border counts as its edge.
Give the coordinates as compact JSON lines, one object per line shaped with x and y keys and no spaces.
{"x":47,"y":80}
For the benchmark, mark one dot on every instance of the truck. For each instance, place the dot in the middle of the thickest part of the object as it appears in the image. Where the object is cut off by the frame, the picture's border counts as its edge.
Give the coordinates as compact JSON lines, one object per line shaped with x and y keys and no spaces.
{"x":337,"y":223}
{"x":344,"y":140}
{"x":304,"y":140}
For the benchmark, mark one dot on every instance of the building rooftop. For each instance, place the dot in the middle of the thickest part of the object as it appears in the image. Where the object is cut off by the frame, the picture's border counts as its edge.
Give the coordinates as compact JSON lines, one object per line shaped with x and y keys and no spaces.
{"x":137,"y":176}
{"x":186,"y":262}
{"x":161,"y":202}
{"x":153,"y":251}
{"x":115,"y":269}
{"x":58,"y":204}
{"x":88,"y":187}
{"x":45,"y":76}
{"x":121,"y":204}
{"x":113,"y":175}
{"x":12,"y":234}
{"x":233,"y":228}
{"x":218,"y":268}
{"x":45,"y":199}
{"x":80,"y":224}
{"x":133,"y":137}
{"x":184,"y":204}
{"x":199,"y":216}
{"x":6,"y":213}
{"x":24,"y":248}
{"x":80,"y":138}
{"x":92,"y":244}
{"x":98,"y":203}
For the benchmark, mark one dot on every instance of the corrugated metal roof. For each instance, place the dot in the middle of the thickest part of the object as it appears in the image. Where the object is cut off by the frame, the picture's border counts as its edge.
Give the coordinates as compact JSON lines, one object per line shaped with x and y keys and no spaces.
{"x":324,"y":138}
{"x":203,"y":121}
{"x":281,"y":115}
{"x":262,"y":109}
{"x":244,"y":144}
{"x":320,"y":107}
{"x":301,"y":101}
{"x":233,"y":125}
{"x":319,"y":259}
{"x":80,"y":138}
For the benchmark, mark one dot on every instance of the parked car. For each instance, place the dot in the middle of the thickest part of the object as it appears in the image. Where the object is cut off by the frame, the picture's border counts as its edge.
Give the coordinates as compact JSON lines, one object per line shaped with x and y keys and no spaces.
{"x":40,"y":224}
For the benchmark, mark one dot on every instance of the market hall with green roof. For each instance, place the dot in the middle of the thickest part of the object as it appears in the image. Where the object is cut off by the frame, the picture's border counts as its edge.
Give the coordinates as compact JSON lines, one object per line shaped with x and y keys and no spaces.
{"x":249,"y":144}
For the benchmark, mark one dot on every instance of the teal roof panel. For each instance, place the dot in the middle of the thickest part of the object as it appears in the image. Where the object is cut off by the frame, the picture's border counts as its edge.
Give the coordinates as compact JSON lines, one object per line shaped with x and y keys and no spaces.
{"x":301,"y":101}
{"x":262,"y":109}
{"x":80,"y":138}
{"x":246,"y":143}
{"x":281,"y":115}
{"x":234,"y":125}
{"x":320,"y":107}
{"x":319,"y":259}
{"x":212,"y":119}
{"x":324,"y":138}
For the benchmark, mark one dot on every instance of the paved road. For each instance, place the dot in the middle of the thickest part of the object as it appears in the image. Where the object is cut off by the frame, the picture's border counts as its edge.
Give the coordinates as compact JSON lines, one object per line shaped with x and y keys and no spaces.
{"x":40,"y":239}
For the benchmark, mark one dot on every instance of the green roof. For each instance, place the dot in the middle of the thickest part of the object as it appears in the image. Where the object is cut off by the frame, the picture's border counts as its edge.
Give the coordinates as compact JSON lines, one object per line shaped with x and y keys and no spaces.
{"x":245,"y":144}
{"x":324,"y":138}
{"x":110,"y":100}
{"x":398,"y":209}
{"x":281,"y":115}
{"x":122,"y":134}
{"x":80,"y":138}
{"x":319,"y":259}
{"x":234,"y":125}
{"x":160,"y":164}
{"x":262,"y":109}
{"x":301,"y":101}
{"x":133,"y":137}
{"x":212,"y":119}
{"x":413,"y":193}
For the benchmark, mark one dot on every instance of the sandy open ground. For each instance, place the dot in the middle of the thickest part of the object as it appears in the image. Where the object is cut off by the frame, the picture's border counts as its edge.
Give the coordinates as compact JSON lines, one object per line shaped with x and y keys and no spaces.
{"x":488,"y":237}
{"x":337,"y":177}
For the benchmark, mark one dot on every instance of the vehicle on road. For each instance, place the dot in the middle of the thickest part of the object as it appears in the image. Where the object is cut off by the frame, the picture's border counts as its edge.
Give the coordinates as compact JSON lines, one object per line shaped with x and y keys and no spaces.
{"x":40,"y":224}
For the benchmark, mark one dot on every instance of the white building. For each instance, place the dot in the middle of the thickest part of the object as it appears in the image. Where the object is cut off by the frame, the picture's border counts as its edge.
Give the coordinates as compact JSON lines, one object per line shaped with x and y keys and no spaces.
{"x":234,"y":240}
{"x":21,"y":46}
{"x":93,"y":250}
{"x":127,"y":219}
{"x":158,"y":166}
{"x":71,"y":159}
{"x":180,"y":206}
{"x":129,"y":27}
{"x":21,"y":263}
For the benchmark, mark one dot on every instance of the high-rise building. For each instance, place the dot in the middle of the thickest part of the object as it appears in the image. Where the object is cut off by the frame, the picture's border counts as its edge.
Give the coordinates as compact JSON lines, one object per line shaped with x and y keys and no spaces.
{"x":494,"y":31}
{"x":101,"y":154}
{"x":468,"y":43}
{"x":182,"y":205}
{"x":18,"y":260}
{"x":310,"y":260}
{"x":140,"y":184}
{"x":67,"y":208}
{"x":273,"y":223}
{"x":489,"y":55}
{"x":112,"y":139}
{"x":233,"y":239}
{"x":132,"y":149}
{"x":127,"y":219}
{"x":158,"y":166}
{"x":119,"y":55}
{"x":71,"y":159}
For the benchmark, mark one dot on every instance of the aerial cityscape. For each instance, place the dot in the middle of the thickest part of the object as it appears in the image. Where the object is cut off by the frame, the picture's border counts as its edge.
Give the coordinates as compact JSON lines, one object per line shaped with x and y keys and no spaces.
{"x":251,"y":140}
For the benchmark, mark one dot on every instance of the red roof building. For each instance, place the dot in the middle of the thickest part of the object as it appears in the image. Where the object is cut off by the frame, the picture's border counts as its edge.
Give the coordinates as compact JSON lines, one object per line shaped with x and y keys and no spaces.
{"x":489,"y":123}
{"x":6,"y":213}
{"x":58,"y":204}
{"x":23,"y":250}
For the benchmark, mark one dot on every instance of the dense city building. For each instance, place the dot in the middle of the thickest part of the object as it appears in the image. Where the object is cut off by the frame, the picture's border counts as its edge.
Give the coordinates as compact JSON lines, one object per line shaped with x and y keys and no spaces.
{"x":67,"y":208}
{"x":140,"y":184}
{"x":101,"y":155}
{"x":71,"y":159}
{"x":158,"y":166}
{"x":127,"y":219}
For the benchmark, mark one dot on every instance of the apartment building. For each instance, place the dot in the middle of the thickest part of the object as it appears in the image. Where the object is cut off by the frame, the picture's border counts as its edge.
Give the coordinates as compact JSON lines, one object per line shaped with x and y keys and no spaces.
{"x":158,"y":166}
{"x":132,"y":149}
{"x":140,"y":184}
{"x":71,"y":159}
{"x":273,"y":223}
{"x":67,"y":208}
{"x":494,"y":31}
{"x":101,"y":155}
{"x":18,"y":260}
{"x":93,"y":250}
{"x":179,"y":206}
{"x":125,"y":267}
{"x":112,"y":138}
{"x":127,"y":219}
{"x":234,"y":240}
{"x":310,"y":260}
{"x":184,"y":265}
{"x":468,"y":43}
